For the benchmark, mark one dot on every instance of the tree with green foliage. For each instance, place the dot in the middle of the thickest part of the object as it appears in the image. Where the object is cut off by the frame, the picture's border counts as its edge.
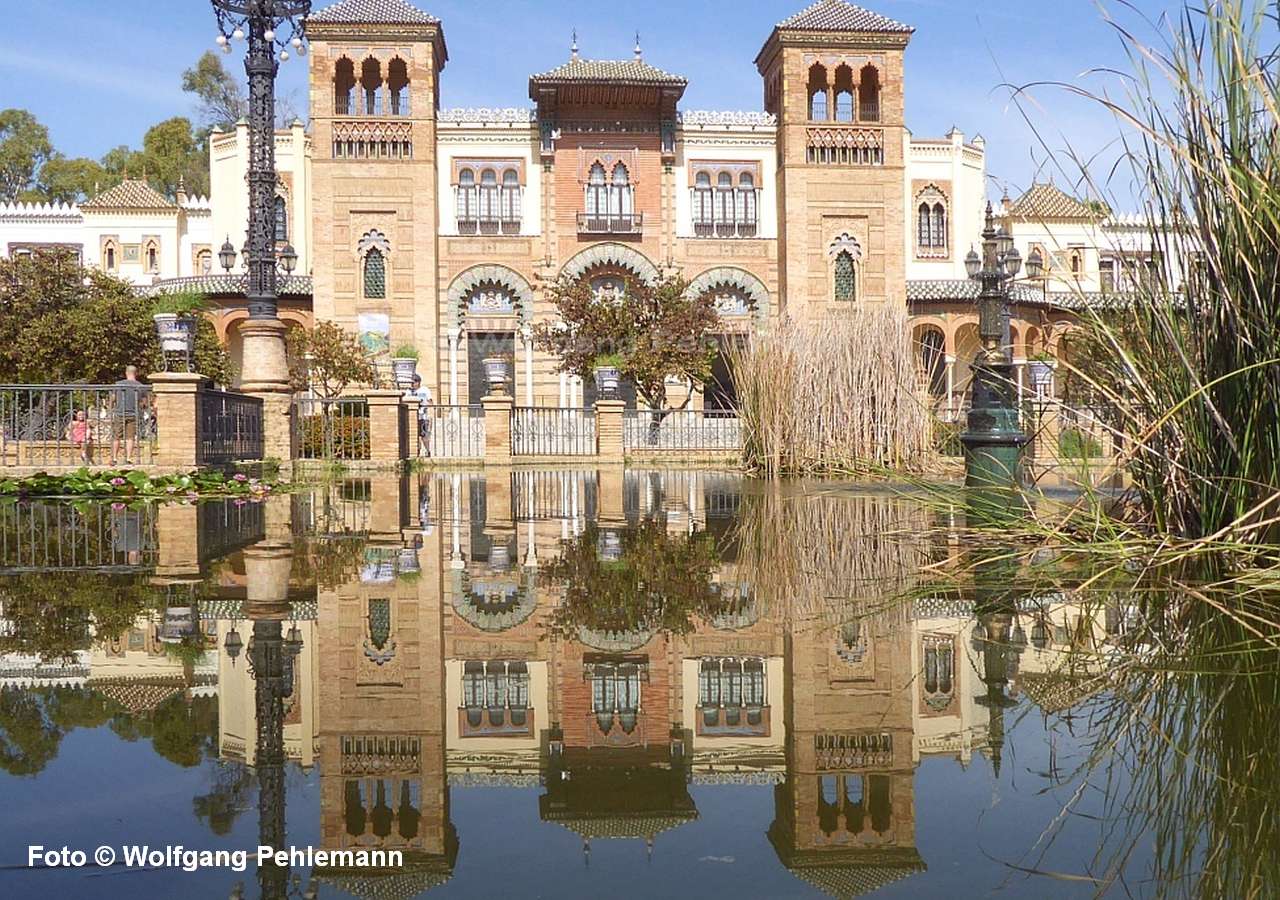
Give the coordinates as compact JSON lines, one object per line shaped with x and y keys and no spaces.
{"x":173,"y":154}
{"x":24,"y":147}
{"x":222,"y":100}
{"x":66,"y":180}
{"x":327,"y":359}
{"x":652,"y":332}
{"x":61,"y":323}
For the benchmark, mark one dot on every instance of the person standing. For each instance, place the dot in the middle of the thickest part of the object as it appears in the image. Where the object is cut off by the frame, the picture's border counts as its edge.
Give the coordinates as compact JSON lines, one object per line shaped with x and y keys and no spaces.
{"x":128,"y":403}
{"x":422,"y":394}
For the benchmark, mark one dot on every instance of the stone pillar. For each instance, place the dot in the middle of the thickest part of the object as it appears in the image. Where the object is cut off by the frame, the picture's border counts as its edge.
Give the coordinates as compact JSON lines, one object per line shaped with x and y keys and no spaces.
{"x":527,"y":335}
{"x":609,"y":495}
{"x":384,"y":427}
{"x":412,"y":405}
{"x":497,"y":429}
{"x":454,"y":334}
{"x":177,"y":547}
{"x":176,"y":427}
{"x":609,"y":430}
{"x":266,"y":375}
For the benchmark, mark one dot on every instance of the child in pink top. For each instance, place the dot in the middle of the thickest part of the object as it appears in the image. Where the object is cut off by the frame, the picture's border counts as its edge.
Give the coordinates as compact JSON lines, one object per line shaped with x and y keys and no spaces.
{"x":78,"y":433}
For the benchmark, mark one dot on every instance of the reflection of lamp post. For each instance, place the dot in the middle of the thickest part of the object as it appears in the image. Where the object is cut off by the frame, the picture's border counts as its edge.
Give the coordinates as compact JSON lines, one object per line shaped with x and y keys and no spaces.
{"x":994,"y":440}
{"x":264,"y":23}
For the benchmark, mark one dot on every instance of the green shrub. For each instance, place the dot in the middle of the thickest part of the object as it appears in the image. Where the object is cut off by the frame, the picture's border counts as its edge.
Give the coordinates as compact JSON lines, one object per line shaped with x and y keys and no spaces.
{"x":329,"y":437}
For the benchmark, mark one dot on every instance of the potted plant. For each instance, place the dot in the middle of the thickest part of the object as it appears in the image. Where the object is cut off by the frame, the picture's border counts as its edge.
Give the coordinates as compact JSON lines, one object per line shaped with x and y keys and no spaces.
{"x":497,"y":369}
{"x":176,"y":317}
{"x":404,"y":365}
{"x":608,"y":375}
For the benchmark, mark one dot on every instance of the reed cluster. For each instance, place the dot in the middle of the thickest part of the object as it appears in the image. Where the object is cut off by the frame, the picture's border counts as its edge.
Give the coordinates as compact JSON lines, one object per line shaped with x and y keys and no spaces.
{"x":1192,"y":367}
{"x":833,"y":395}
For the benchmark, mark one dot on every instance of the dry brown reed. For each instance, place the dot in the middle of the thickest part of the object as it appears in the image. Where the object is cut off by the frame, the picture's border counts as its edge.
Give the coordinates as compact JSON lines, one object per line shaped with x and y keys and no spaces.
{"x":839,"y":394}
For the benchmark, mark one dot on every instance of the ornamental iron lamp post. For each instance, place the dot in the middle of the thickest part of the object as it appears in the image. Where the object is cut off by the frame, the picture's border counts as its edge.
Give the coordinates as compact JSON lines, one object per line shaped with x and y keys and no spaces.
{"x":271,"y":28}
{"x":994,"y":440}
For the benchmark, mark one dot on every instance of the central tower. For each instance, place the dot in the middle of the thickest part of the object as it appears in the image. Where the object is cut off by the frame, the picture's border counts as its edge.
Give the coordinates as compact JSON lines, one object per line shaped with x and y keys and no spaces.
{"x":375,"y":70}
{"x":833,"y":76}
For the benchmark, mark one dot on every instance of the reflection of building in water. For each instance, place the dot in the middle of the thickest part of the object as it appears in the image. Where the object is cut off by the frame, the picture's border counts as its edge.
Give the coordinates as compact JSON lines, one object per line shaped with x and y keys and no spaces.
{"x":381,"y":725}
{"x":845,"y":816}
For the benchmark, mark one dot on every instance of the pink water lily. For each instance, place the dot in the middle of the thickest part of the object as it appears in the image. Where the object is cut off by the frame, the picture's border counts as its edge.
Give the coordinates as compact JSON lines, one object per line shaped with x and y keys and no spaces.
{"x":241,"y":477}
{"x":118,"y":481}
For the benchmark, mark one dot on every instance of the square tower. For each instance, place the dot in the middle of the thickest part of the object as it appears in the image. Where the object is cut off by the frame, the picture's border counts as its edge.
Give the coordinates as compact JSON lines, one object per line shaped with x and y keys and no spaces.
{"x":833,"y":76}
{"x":375,"y":69}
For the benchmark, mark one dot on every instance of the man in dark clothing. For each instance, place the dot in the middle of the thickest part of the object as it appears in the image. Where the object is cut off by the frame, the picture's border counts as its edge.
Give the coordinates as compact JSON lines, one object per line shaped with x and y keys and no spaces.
{"x":129,"y":402}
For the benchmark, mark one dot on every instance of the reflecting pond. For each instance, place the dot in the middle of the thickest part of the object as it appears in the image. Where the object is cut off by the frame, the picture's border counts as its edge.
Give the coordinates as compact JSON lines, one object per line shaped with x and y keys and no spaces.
{"x":578,"y":683}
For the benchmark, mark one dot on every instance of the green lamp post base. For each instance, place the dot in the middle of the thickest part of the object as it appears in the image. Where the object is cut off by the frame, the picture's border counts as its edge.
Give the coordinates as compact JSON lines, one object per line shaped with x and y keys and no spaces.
{"x":994,"y":441}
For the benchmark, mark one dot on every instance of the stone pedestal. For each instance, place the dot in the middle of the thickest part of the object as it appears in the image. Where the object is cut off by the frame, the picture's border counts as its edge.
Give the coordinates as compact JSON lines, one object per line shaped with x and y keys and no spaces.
{"x":411,"y":407}
{"x":175,"y":407}
{"x":266,"y":375}
{"x":609,"y":445}
{"x":497,"y":429}
{"x":384,"y":427}
{"x":177,"y":549}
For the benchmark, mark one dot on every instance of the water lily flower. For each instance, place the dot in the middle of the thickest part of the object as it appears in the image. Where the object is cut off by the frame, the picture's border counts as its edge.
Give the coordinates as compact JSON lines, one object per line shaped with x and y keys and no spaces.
{"x":241,"y":477}
{"x":118,"y":481}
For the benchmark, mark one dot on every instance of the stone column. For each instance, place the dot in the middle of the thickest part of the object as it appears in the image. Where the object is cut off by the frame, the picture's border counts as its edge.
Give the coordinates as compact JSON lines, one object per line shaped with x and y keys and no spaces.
{"x":609,"y":445}
{"x":384,"y":427}
{"x":453,"y":365}
{"x":177,"y":549}
{"x":951,"y":385}
{"x":266,"y":375}
{"x":497,"y":429}
{"x":176,"y":426}
{"x":527,"y":335}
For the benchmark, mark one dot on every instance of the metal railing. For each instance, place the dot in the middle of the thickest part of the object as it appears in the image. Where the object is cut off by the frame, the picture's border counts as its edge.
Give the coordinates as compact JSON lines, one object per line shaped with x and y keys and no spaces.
{"x":55,"y":537}
{"x":331,"y":429}
{"x":452,"y":432}
{"x":228,"y":427}
{"x":553,"y":431}
{"x":684,"y":429}
{"x":610,"y":223}
{"x":76,"y":424}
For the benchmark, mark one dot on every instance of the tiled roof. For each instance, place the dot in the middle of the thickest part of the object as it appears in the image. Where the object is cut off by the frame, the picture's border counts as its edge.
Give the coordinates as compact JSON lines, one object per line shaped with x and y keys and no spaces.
{"x":626,"y":71}
{"x":221,"y":285}
{"x":132,"y":193}
{"x":375,"y":12}
{"x":964,"y":289}
{"x":1047,"y":201}
{"x":837,"y":15}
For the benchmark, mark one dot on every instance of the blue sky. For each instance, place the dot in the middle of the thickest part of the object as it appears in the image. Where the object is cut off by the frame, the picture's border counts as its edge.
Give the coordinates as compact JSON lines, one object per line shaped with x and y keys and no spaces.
{"x":99,"y":72}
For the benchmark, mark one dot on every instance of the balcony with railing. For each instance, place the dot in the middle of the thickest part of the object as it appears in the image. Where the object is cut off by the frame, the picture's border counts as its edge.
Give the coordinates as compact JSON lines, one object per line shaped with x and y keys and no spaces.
{"x":610,"y":223}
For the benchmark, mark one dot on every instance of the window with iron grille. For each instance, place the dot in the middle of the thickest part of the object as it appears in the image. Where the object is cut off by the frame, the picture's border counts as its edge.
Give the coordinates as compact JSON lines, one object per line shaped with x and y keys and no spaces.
{"x":375,"y":275}
{"x":845,"y":277}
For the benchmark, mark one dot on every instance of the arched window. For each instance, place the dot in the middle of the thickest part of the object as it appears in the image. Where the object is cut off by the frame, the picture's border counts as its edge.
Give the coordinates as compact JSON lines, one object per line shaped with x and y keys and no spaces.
{"x":747,"y":213}
{"x":467,"y":203}
{"x":817,"y":93}
{"x":933,"y":361}
{"x":621,"y":194}
{"x":1077,"y":263}
{"x":703,"y":217}
{"x":724,"y":209}
{"x":597,"y":193}
{"x":204,"y":262}
{"x":375,"y":275}
{"x":489,"y":206}
{"x":510,"y":201}
{"x":844,"y":94}
{"x":923,"y":227}
{"x":370,"y":86}
{"x":938,"y":666}
{"x":282,"y":220}
{"x":939,"y":226}
{"x":846,"y":282}
{"x":344,"y":85}
{"x":398,"y":87}
{"x":110,"y":257}
{"x":153,"y":258}
{"x":869,"y":94}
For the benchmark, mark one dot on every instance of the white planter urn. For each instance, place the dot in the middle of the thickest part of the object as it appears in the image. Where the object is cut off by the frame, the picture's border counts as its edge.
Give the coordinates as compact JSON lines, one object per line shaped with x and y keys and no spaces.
{"x":498,"y":371}
{"x":607,"y":380}
{"x":403,"y":369}
{"x":177,"y":334}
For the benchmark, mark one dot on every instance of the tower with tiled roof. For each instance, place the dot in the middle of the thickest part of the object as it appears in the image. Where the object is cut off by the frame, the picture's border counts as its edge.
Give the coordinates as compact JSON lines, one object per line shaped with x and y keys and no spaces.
{"x":375,"y":67}
{"x":833,"y":75}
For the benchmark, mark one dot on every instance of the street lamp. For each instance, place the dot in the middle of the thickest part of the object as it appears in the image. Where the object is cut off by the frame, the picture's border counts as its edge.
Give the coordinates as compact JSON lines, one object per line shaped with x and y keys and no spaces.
{"x":227,"y":255}
{"x":264,"y":24}
{"x":994,"y":439}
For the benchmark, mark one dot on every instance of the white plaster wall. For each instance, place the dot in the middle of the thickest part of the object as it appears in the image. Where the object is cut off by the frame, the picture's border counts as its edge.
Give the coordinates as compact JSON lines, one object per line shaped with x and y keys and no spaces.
{"x":509,"y":143}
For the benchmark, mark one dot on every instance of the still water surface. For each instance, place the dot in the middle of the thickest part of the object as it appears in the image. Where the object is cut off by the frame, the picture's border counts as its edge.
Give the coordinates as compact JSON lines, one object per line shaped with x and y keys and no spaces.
{"x":581,"y":683}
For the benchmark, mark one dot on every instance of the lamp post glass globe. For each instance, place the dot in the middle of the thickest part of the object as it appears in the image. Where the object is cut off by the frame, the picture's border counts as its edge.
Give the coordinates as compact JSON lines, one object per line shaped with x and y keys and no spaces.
{"x":973,"y":264}
{"x":227,"y":255}
{"x":1013,"y":262}
{"x":288,"y":259}
{"x":1035,"y":264}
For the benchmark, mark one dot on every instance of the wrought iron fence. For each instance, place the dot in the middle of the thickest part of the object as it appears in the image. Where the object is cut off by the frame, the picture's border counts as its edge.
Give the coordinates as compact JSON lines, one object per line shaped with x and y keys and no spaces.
{"x":452,"y":432}
{"x":331,"y":429}
{"x":684,"y":429}
{"x":553,"y":431}
{"x":55,"y":537}
{"x":229,"y":427}
{"x":76,"y":424}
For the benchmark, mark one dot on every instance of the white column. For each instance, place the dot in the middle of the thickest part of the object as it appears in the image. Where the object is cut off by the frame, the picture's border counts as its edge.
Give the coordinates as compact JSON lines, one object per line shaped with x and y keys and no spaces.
{"x":527,"y":334}
{"x":951,"y":383}
{"x":564,"y":390}
{"x":1020,"y":367}
{"x":453,"y":366}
